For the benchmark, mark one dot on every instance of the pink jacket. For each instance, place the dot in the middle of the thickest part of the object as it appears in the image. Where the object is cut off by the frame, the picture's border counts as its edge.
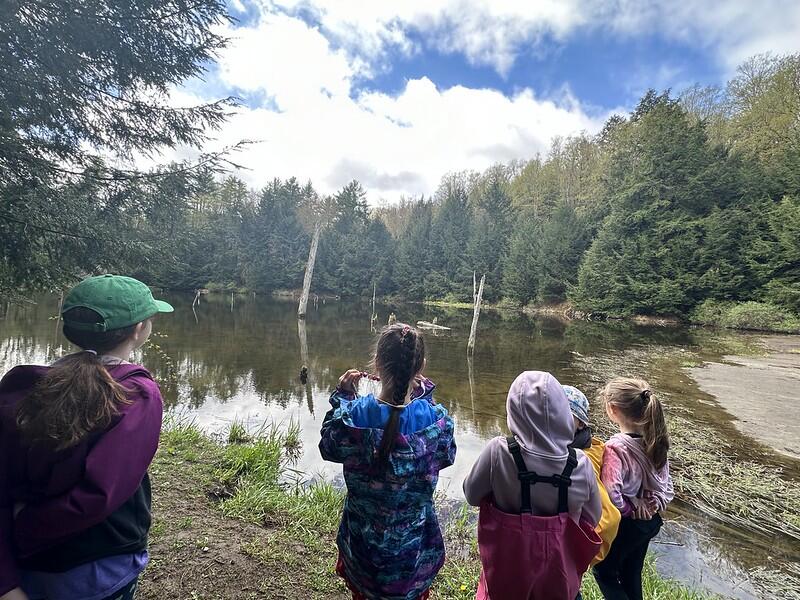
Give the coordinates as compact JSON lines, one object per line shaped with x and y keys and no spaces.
{"x":629,"y":474}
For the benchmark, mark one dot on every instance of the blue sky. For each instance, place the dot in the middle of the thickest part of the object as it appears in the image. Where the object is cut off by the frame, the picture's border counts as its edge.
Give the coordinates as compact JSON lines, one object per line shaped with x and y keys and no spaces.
{"x":602,"y":71}
{"x":397,"y":94}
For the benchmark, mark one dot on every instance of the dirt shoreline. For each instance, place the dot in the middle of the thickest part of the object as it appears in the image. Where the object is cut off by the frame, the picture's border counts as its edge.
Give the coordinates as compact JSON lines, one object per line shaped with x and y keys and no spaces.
{"x":761,"y":392}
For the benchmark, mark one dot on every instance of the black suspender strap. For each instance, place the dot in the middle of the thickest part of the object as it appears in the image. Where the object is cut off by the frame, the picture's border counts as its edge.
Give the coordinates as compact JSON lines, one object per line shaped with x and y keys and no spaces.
{"x":529,"y":478}
{"x":564,"y":480}
{"x":522,"y":473}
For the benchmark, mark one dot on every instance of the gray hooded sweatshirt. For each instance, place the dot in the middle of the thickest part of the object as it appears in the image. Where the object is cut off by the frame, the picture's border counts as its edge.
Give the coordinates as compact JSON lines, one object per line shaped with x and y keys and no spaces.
{"x":539,"y":417}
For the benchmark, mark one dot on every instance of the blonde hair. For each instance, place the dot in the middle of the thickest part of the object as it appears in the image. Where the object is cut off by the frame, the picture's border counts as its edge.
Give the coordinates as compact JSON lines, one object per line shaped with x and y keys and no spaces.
{"x":639,"y":405}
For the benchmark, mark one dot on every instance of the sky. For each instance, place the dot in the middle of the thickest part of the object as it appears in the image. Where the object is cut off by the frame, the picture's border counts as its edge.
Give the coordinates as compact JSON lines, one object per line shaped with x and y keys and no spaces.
{"x":398,"y":93}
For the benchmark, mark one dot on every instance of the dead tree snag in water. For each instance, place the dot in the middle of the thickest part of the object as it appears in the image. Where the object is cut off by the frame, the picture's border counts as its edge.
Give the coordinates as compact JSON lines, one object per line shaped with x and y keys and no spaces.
{"x":312,"y":256}
{"x":475,"y":314}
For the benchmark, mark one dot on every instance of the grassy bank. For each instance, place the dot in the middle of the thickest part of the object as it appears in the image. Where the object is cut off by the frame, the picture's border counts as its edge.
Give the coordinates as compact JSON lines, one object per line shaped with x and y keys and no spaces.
{"x":756,"y":316}
{"x":232,"y":520}
{"x":747,"y":316}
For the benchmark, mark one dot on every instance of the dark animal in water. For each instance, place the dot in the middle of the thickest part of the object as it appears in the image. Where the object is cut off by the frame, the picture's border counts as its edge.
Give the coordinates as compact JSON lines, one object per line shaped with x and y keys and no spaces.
{"x":304,"y":374}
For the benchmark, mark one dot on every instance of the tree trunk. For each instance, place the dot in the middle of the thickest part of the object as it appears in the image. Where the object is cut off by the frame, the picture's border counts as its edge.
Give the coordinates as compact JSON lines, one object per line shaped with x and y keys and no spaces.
{"x":475,"y":314}
{"x":312,"y":256}
{"x":471,"y":376}
{"x":373,"y":318}
{"x":305,"y":367}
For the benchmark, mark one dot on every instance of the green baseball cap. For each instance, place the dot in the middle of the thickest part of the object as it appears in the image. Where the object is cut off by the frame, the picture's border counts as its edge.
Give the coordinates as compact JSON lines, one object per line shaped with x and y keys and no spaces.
{"x":120,"y":301}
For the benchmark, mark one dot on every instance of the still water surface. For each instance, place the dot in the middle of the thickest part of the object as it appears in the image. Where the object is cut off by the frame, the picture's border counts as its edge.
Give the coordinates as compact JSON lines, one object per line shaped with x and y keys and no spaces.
{"x":241,"y":361}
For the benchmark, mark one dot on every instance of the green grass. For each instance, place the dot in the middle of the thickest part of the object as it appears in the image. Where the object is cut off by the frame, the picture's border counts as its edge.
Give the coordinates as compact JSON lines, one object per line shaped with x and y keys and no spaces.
{"x":253,"y":476}
{"x":450,"y":304}
{"x":757,"y":316}
{"x":654,"y":587}
{"x":237,"y":433}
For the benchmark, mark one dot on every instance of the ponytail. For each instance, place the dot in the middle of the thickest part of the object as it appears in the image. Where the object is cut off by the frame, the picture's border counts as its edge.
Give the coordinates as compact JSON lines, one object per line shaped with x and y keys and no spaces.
{"x":400,"y":355}
{"x":76,"y":397}
{"x":639,"y":405}
{"x":656,"y":436}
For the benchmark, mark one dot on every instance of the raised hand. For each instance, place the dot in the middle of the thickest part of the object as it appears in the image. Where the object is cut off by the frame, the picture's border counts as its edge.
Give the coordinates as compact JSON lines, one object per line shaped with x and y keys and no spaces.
{"x":348,"y":382}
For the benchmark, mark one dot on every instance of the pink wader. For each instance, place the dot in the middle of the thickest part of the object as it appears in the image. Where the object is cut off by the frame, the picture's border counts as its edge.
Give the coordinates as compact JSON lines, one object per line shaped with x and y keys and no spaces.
{"x":527,"y":557}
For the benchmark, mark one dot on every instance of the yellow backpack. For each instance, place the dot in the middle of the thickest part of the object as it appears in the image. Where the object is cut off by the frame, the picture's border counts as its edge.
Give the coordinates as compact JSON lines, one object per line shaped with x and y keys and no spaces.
{"x":609,"y":519}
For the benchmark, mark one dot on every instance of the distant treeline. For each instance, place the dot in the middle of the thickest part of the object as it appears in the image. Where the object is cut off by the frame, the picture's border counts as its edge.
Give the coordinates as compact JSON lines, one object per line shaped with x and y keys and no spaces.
{"x":687,"y":199}
{"x":684,"y":200}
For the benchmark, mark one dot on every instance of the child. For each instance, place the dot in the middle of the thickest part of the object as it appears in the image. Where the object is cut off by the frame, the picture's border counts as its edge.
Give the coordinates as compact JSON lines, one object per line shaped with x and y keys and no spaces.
{"x":538,"y":498}
{"x":636,"y":474}
{"x":392,"y":447}
{"x":593,"y":448}
{"x":76,"y":439}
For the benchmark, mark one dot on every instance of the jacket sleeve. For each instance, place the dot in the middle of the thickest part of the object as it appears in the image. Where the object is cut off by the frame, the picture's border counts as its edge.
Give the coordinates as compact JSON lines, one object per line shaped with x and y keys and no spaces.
{"x":334,"y":444}
{"x":478,"y":482}
{"x":446,"y":449}
{"x":9,"y":572}
{"x":611,"y":475}
{"x":114,"y":470}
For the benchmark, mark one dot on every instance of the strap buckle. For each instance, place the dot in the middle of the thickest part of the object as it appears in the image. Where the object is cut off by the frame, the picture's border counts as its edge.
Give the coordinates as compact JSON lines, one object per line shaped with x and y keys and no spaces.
{"x":560,"y":480}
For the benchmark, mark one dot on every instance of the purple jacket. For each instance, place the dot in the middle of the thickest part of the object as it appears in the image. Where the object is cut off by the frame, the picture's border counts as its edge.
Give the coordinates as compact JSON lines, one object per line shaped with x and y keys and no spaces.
{"x":67,"y":492}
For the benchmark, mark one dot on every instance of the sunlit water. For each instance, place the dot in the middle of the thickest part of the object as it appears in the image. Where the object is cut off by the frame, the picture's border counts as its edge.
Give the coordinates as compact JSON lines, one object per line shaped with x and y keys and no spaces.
{"x":241,"y":360}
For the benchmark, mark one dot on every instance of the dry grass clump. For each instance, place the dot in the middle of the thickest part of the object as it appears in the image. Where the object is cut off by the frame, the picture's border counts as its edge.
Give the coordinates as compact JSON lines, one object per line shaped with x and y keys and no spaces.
{"x":731,"y":490}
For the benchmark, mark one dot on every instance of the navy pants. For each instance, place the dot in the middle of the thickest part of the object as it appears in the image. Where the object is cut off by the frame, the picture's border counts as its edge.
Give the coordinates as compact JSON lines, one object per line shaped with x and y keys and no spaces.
{"x":619,"y":575}
{"x":126,"y":593}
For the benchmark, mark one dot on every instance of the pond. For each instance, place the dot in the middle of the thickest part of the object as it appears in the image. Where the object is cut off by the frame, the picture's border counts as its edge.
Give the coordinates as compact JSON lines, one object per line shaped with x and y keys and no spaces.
{"x":239,"y":358}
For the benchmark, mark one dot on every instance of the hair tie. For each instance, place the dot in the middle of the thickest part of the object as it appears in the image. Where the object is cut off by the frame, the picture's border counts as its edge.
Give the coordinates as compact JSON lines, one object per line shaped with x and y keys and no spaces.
{"x":646,"y":395}
{"x":406,"y":329}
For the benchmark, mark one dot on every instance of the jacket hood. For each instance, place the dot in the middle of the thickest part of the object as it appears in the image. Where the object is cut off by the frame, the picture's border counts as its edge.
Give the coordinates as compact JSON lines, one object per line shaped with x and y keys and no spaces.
{"x":539,"y":414}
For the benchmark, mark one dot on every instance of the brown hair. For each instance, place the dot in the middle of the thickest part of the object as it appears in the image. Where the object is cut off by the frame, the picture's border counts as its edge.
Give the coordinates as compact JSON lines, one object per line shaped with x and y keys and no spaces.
{"x":637,"y":403}
{"x":77,"y":395}
{"x":399,"y":356}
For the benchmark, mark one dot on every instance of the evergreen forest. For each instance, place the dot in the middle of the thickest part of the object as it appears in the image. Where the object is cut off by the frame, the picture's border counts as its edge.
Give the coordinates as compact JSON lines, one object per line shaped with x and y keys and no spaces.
{"x":689,"y":203}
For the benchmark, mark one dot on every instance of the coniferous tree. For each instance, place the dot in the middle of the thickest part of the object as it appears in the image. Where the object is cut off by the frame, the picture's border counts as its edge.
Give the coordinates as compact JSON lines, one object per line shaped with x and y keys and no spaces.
{"x":450,"y":229}
{"x":562,"y":241}
{"x":277,"y":243}
{"x":491,"y":231}
{"x":520,"y":273}
{"x":644,"y":258}
{"x":413,"y":256}
{"x":112,"y":96}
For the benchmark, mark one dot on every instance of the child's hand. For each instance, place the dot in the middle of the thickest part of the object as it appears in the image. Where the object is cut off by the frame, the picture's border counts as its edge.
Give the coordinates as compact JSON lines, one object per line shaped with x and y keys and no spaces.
{"x":643,"y":509}
{"x":349,"y":381}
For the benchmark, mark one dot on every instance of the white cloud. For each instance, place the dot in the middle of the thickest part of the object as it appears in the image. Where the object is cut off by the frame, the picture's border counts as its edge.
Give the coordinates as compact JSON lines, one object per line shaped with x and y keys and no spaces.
{"x":314,"y":127}
{"x":487,"y":33}
{"x":286,"y":59}
{"x":496,"y":32}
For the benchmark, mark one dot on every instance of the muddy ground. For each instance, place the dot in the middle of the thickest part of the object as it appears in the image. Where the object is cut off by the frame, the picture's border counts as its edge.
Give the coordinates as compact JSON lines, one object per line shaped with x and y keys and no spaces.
{"x":197,"y":553}
{"x":762,"y":392}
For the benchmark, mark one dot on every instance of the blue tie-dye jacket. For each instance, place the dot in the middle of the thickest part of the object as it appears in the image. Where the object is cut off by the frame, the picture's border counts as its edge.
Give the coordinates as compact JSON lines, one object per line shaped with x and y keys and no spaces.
{"x":389,"y":539}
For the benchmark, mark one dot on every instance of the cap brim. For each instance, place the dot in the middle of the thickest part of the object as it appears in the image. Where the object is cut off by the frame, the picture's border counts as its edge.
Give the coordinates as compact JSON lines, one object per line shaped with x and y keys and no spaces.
{"x":164,"y":307}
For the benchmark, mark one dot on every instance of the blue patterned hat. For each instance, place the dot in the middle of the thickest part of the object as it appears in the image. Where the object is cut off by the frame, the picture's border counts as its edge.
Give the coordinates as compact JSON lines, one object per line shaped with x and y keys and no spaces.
{"x":578,"y":403}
